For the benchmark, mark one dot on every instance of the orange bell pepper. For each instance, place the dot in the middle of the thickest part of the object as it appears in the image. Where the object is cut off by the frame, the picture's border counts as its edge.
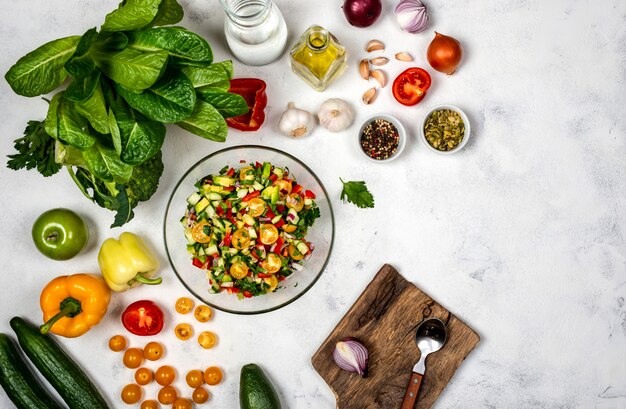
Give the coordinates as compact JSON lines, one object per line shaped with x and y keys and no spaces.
{"x":73,"y":304}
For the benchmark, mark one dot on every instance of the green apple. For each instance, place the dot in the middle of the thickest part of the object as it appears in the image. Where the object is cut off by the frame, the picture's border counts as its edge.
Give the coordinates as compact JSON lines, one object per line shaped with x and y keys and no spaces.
{"x":60,"y":234}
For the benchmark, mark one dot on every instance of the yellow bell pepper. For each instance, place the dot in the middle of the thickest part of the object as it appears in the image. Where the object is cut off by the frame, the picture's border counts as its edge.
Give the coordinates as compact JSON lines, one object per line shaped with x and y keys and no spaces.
{"x":71,"y":305}
{"x":127,"y":262}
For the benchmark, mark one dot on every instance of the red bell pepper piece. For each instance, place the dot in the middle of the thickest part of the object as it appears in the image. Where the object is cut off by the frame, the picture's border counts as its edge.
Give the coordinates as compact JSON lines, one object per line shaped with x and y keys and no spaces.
{"x":227,"y":238}
{"x":270,"y":214}
{"x":220,"y":211}
{"x":296,"y":189}
{"x":247,"y":294}
{"x":261,"y":275}
{"x":282,"y":278}
{"x":279,"y":244}
{"x":257,"y":165}
{"x":253,"y":91}
{"x":280,"y":209}
{"x":279,"y":223}
{"x":273,"y":177}
{"x":251,"y":195}
{"x":233,"y":290}
{"x":230,"y":172}
{"x":309,"y":194}
{"x":228,"y":188}
{"x":197,"y":262}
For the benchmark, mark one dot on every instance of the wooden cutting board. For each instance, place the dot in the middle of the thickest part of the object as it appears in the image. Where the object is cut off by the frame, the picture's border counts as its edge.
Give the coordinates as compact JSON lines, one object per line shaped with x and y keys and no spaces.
{"x":385,"y":318}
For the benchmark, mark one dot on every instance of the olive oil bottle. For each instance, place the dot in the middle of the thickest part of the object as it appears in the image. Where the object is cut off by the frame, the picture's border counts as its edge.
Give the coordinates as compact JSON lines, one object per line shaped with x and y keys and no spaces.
{"x":318,"y":57}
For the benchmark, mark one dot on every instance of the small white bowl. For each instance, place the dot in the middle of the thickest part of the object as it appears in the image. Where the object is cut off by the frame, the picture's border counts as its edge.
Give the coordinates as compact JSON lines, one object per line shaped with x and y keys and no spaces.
{"x":466,"y":135}
{"x":401,"y":133}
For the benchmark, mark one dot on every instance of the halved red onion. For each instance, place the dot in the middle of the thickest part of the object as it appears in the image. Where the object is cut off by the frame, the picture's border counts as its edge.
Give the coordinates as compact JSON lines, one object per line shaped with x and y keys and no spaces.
{"x":352,"y":356}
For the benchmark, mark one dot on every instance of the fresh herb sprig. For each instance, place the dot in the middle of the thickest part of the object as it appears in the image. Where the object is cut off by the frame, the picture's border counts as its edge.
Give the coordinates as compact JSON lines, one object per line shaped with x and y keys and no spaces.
{"x":356,"y":192}
{"x":35,"y":150}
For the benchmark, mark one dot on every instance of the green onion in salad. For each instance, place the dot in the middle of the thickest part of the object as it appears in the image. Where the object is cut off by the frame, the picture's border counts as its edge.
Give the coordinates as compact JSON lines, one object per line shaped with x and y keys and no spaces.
{"x":247,"y":227}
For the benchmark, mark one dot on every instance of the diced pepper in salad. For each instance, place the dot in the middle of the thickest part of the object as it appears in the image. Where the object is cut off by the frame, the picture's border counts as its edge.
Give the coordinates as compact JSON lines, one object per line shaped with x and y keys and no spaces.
{"x":247,"y":228}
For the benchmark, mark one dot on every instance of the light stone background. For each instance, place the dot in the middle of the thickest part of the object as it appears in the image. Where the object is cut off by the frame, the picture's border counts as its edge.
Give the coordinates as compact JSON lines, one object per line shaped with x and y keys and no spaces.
{"x":521,"y":234}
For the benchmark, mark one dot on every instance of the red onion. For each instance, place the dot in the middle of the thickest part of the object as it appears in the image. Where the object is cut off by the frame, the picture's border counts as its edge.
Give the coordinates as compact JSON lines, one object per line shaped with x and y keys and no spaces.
{"x":411,"y":15}
{"x":352,"y":356}
{"x":362,"y":13}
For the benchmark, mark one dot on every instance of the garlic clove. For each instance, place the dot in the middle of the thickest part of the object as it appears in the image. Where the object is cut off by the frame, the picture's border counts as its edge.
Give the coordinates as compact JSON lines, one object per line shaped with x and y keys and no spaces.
{"x":369,"y":96}
{"x":404,"y":56}
{"x":379,"y":61}
{"x":374,"y":45}
{"x":364,"y":69}
{"x":379,"y":76}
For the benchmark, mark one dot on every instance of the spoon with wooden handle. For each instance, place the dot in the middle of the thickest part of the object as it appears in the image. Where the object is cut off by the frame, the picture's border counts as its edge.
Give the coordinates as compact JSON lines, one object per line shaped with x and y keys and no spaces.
{"x":430,"y":336}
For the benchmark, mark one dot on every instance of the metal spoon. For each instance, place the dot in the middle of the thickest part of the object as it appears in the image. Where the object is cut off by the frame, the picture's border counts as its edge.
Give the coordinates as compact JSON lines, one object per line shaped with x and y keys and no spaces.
{"x":430,"y":336}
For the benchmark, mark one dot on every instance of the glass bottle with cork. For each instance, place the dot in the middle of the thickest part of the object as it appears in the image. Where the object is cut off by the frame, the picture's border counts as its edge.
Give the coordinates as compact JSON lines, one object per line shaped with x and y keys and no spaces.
{"x":318,"y":57}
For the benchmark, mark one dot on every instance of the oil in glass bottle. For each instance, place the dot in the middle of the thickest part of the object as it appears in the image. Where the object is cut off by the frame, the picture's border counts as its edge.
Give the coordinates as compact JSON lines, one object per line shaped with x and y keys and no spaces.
{"x":318,"y":57}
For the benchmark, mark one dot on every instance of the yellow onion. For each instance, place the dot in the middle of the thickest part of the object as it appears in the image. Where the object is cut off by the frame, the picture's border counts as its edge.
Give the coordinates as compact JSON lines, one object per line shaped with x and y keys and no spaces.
{"x":444,"y":53}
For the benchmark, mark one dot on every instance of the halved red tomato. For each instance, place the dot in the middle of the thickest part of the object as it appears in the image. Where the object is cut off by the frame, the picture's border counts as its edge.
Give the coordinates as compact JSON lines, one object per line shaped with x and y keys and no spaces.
{"x":411,"y":85}
{"x":143,"y":318}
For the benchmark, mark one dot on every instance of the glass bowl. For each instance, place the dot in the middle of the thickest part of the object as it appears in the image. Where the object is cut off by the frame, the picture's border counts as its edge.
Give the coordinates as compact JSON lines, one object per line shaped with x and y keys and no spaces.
{"x":321,"y":234}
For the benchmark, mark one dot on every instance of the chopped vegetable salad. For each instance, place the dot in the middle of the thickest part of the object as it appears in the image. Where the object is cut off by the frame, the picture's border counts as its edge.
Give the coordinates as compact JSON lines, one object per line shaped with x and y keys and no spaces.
{"x":246,"y":227}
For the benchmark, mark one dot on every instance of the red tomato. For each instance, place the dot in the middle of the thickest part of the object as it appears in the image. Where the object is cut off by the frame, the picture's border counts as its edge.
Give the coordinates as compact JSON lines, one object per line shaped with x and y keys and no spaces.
{"x":143,"y":318}
{"x":411,"y":85}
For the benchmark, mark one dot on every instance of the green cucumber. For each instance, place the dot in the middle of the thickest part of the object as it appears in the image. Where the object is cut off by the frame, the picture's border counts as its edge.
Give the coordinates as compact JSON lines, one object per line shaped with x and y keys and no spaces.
{"x":19,"y":382}
{"x":57,"y":367}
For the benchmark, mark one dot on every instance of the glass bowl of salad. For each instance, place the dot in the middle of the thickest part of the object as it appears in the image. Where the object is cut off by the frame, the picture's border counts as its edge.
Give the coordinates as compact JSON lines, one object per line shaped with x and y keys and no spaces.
{"x":249,"y":229}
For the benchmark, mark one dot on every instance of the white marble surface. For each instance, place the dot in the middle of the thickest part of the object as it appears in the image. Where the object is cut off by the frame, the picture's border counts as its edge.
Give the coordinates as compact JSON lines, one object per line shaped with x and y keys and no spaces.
{"x":521,"y":234}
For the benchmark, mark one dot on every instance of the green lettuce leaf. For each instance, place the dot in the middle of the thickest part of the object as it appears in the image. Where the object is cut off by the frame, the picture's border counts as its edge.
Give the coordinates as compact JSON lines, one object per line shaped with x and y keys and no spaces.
{"x":40,"y":71}
{"x":131,"y":15}
{"x":72,"y":128}
{"x":226,"y":103}
{"x":95,"y":110}
{"x":206,"y":122}
{"x":132,"y":69}
{"x":170,"y":12}
{"x":183,"y":46}
{"x":82,"y":88}
{"x":170,"y":100}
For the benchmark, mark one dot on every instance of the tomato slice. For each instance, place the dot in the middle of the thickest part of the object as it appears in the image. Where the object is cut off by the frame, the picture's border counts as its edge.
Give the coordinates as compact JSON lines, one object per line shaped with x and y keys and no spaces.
{"x":411,"y":85}
{"x":143,"y":318}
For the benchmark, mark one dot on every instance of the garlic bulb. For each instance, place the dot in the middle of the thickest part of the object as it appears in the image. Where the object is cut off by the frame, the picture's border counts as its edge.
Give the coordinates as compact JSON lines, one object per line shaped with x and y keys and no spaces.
{"x":335,"y":115}
{"x":296,"y":122}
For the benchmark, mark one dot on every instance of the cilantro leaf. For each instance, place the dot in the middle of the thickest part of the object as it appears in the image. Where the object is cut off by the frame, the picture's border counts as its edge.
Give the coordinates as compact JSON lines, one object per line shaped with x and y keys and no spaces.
{"x":357,"y":193}
{"x":35,"y":150}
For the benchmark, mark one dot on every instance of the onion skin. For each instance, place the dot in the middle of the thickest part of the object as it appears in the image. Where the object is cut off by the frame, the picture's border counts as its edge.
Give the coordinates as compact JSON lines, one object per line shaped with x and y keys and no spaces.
{"x":362,"y":13}
{"x":352,"y":356}
{"x":444,"y":53}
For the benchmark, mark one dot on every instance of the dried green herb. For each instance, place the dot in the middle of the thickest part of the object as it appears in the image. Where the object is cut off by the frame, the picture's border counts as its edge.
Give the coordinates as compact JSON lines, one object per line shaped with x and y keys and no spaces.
{"x":444,"y":129}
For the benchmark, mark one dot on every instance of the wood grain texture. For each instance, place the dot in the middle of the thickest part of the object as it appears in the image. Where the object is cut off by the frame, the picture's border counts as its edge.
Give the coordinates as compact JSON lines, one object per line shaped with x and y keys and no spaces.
{"x":384,"y":318}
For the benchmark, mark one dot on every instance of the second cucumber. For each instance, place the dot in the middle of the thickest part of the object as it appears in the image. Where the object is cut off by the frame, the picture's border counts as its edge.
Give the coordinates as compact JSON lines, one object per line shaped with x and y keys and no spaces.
{"x":18,"y":381}
{"x":57,"y":367}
